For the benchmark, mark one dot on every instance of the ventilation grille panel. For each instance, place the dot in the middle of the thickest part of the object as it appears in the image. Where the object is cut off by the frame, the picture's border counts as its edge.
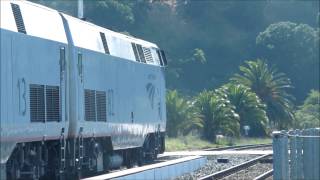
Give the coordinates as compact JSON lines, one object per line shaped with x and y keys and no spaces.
{"x":135,"y":51}
{"x":147,"y":54}
{"x":90,"y":105}
{"x":18,"y":18}
{"x":53,"y":103}
{"x":101,"y":106}
{"x":140,"y":52}
{"x":104,"y":42}
{"x":37,"y":105}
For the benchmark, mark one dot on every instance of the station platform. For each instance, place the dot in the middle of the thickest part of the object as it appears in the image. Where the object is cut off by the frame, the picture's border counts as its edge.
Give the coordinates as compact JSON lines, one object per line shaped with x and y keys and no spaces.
{"x":159,"y":171}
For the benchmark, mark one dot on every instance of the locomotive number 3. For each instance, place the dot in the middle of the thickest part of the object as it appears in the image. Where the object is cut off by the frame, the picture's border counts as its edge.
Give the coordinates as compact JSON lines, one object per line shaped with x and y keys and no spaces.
{"x":22,"y":96}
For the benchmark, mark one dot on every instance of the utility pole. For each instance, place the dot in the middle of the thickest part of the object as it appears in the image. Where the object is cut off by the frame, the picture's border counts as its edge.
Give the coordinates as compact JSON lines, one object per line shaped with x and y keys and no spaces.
{"x":80,"y":9}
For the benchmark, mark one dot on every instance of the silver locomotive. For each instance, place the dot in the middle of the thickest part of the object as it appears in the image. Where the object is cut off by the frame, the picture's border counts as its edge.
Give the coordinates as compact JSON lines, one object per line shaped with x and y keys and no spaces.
{"x":75,"y":97}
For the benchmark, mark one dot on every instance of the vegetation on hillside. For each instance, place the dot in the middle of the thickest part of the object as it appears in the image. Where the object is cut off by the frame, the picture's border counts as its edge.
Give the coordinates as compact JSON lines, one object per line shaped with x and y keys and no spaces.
{"x":308,"y":115}
{"x":257,"y":97}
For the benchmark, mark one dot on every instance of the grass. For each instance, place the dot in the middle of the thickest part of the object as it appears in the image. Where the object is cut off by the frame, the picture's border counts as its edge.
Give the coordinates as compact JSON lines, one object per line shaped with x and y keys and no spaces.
{"x":194,"y":142}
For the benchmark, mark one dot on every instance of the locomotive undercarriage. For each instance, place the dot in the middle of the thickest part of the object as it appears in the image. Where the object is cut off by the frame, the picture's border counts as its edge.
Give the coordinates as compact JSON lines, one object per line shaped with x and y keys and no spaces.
{"x":75,"y":158}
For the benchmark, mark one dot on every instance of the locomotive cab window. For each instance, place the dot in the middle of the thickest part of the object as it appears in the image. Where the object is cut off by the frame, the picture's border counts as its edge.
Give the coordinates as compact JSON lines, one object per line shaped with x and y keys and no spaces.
{"x":162,"y":57}
{"x":159,"y":56}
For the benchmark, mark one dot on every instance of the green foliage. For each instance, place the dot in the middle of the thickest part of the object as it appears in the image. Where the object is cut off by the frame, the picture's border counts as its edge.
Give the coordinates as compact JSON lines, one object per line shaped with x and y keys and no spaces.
{"x":117,"y":15}
{"x":271,"y":86}
{"x":295,"y":49}
{"x":199,"y":56}
{"x":188,"y":142}
{"x":181,"y":115}
{"x":308,"y":115}
{"x":218,"y":115}
{"x":249,"y":107}
{"x":191,"y":142}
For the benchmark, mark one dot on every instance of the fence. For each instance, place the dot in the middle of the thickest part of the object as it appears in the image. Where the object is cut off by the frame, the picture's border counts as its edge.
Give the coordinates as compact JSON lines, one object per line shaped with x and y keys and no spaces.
{"x":296,"y":154}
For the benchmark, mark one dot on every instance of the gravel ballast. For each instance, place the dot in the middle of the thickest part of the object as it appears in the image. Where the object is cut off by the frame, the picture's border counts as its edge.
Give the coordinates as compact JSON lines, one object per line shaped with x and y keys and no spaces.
{"x":213,"y":166}
{"x":251,"y":172}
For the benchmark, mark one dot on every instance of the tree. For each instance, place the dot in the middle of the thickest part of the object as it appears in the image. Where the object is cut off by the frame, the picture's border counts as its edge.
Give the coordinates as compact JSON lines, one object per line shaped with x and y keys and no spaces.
{"x":308,"y":115}
{"x":218,"y":115}
{"x":271,"y":86}
{"x":112,"y":14}
{"x":295,"y":49}
{"x":181,"y":115}
{"x":248,"y":106}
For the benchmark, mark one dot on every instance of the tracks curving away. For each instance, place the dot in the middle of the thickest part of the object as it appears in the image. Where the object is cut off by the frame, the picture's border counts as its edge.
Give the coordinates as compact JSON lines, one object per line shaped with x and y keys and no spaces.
{"x":234,"y":169}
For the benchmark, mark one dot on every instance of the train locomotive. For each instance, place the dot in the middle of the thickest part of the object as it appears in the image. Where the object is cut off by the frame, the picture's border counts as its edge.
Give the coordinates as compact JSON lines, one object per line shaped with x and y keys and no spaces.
{"x":76,"y":98}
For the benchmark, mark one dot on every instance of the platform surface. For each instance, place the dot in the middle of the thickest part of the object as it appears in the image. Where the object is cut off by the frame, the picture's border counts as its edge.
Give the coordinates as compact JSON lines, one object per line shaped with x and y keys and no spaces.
{"x":160,"y":171}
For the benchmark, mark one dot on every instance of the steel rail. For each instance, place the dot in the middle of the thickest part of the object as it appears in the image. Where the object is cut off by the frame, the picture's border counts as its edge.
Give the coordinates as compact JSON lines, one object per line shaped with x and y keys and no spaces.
{"x":239,"y":147}
{"x":253,"y":146}
{"x":234,"y":169}
{"x":265,"y":175}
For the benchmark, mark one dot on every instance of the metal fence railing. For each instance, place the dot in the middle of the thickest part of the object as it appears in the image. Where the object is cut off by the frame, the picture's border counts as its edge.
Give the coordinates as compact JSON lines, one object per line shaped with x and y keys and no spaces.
{"x":296,"y":154}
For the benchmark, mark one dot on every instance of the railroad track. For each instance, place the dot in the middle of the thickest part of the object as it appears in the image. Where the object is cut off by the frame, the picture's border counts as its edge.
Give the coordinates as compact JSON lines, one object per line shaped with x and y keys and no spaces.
{"x":239,"y":147}
{"x":264,"y":175}
{"x":234,"y":169}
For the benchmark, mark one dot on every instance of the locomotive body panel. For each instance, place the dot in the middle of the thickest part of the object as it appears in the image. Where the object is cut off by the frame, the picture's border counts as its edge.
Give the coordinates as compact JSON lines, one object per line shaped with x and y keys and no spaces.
{"x":133,"y":109}
{"x":133,"y":103}
{"x":29,"y":61}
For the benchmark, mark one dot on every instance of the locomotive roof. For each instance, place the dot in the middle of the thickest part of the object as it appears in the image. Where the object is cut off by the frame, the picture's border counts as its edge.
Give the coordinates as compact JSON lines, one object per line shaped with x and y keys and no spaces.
{"x":44,"y":22}
{"x":39,"y":21}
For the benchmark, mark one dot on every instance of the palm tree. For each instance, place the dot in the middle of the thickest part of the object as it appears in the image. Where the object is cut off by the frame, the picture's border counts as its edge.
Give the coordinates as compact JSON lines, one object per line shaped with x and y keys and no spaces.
{"x":249,"y":107}
{"x":271,"y":86}
{"x":218,"y":115}
{"x":182,"y":116}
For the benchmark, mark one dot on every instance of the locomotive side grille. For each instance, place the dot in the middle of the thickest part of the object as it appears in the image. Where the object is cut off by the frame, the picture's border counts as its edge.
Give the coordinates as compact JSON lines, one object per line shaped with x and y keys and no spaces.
{"x":147,"y":54}
{"x":18,"y":18}
{"x":37,"y":105}
{"x":53,"y":103}
{"x":90,"y":105}
{"x":101,"y":106}
{"x":135,"y":51}
{"x":104,"y":42}
{"x":140,"y":52}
